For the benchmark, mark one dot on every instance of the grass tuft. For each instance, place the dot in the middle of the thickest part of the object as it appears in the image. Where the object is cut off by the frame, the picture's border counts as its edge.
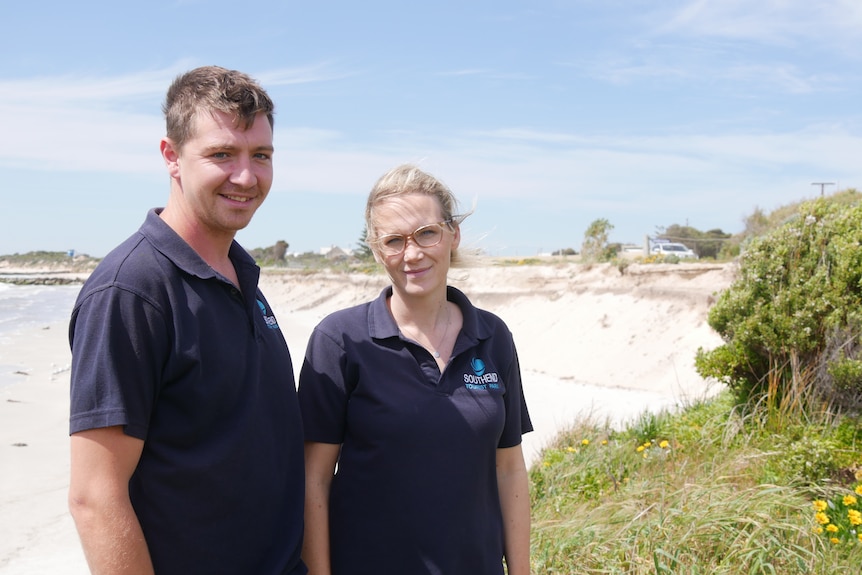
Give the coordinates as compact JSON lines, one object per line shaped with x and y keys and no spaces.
{"x":686,"y":492}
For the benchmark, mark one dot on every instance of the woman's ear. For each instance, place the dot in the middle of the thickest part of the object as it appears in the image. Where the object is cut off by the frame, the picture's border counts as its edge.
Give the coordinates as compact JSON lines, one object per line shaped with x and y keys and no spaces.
{"x":456,"y":240}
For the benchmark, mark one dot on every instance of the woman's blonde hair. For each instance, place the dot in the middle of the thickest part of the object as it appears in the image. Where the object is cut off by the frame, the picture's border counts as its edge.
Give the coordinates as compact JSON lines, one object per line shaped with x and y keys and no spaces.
{"x":408,"y":179}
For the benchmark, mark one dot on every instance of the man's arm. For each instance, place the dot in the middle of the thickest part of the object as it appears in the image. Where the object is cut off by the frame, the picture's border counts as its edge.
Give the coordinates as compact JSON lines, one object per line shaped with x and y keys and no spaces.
{"x":103,"y":461}
{"x":514,"y":488}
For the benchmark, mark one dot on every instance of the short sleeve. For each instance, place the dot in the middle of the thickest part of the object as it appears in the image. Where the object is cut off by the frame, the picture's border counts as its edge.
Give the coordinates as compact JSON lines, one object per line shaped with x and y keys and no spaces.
{"x":323,"y":391}
{"x":517,"y":416}
{"x":119,"y":344}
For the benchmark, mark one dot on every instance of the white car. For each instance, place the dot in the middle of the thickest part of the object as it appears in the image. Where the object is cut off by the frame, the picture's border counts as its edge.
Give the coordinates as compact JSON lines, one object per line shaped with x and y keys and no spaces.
{"x":671,"y":249}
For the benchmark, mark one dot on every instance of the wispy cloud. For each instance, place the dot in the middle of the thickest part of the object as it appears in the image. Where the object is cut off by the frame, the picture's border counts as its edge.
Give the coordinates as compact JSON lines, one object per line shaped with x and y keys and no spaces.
{"x":108,"y":123}
{"x":781,"y":77}
{"x":90,"y":91}
{"x":568,"y":168}
{"x":465,"y":72}
{"x":322,"y":72}
{"x":487,"y":74}
{"x":622,"y":71}
{"x":113,"y":124}
{"x":67,"y":123}
{"x":766,"y":46}
{"x":767,"y":21}
{"x":104,"y":124}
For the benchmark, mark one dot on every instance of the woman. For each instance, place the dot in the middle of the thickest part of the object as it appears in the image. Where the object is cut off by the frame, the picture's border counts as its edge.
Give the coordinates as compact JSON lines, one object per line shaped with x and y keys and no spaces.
{"x":416,"y":398}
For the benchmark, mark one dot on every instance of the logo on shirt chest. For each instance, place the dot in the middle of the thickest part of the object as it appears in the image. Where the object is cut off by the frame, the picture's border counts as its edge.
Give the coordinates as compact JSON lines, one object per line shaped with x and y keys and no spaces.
{"x":268,"y":318}
{"x":481,"y":378}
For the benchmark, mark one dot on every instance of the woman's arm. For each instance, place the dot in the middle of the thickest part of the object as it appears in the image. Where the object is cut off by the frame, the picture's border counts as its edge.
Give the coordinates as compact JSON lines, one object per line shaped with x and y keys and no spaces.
{"x":320,"y":460}
{"x":103,"y":461}
{"x":513,"y":485}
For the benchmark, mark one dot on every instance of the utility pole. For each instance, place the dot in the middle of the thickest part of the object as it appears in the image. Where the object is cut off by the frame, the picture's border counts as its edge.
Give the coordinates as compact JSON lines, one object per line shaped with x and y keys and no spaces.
{"x":822,"y":185}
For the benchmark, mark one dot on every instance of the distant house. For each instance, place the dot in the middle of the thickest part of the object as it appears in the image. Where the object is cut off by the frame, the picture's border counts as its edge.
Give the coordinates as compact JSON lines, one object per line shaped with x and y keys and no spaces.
{"x":335,"y":253}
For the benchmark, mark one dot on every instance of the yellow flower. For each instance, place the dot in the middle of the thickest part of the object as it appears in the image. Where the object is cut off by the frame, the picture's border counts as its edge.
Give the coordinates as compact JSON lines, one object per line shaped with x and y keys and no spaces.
{"x":858,"y":490}
{"x":818,"y":530}
{"x":832,"y":528}
{"x":835,"y":540}
{"x":664,"y":444}
{"x":849,"y":501}
{"x":855,"y":517}
{"x":821,"y":518}
{"x":860,"y":537}
{"x":605,"y":442}
{"x":546,"y":463}
{"x":585,"y":442}
{"x":648,"y":444}
{"x":820,"y":505}
{"x":570,"y":449}
{"x":640,"y":448}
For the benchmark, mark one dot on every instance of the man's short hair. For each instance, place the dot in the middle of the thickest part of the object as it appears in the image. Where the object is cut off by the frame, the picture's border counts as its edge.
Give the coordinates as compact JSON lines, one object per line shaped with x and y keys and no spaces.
{"x":213,"y":89}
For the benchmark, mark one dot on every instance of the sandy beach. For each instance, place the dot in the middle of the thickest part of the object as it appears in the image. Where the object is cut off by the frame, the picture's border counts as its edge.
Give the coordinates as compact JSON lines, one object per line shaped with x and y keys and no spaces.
{"x":592,"y":341}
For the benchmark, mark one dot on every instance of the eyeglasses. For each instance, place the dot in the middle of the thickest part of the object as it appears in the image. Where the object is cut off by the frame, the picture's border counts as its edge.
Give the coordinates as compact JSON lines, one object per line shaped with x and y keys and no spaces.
{"x":426,"y":236}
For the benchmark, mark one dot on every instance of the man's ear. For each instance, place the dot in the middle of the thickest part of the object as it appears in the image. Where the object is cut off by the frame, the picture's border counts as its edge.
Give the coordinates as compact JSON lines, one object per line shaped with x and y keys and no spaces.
{"x":171,"y":156}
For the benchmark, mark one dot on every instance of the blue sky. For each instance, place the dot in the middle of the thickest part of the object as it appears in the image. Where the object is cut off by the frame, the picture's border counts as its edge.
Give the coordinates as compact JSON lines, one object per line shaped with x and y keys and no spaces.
{"x":545,"y":114}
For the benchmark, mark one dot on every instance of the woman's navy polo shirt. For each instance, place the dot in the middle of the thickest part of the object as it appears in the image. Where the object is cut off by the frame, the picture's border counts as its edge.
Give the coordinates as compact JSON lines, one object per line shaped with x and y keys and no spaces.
{"x":200,"y":372}
{"x":416,"y":486}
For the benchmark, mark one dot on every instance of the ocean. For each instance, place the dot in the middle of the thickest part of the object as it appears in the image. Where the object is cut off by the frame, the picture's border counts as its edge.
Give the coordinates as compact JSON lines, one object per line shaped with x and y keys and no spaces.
{"x":24,"y":307}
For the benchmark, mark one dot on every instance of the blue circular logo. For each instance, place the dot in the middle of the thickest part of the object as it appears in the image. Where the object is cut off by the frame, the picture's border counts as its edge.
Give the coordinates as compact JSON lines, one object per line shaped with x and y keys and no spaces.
{"x":478,"y":366}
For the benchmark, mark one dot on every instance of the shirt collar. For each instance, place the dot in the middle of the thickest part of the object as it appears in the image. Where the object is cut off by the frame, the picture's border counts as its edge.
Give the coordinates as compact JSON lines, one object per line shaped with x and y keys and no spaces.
{"x":381,"y":324}
{"x":175,"y":248}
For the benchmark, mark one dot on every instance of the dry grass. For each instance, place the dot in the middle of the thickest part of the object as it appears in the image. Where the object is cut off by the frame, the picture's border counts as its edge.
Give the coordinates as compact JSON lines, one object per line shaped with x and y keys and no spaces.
{"x":684,"y":493}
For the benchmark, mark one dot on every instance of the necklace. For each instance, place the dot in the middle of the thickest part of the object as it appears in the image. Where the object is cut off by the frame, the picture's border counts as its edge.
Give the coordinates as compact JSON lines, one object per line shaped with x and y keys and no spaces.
{"x":433,"y":349}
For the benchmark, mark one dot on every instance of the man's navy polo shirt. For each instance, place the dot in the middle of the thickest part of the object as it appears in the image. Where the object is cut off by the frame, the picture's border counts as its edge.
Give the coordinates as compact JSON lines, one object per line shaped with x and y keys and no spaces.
{"x":200,"y":371}
{"x":416,"y":486}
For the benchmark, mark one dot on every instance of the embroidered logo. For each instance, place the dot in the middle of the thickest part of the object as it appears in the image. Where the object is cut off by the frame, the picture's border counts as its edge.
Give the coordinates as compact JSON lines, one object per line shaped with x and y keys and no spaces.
{"x":270,"y":321}
{"x":480,"y":379}
{"x":478,"y":366}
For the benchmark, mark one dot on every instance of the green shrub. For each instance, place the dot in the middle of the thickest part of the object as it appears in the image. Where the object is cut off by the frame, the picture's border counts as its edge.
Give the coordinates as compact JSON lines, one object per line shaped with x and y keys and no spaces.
{"x":847,"y":374}
{"x":708,"y":489}
{"x":793,"y":312}
{"x":805,"y":460}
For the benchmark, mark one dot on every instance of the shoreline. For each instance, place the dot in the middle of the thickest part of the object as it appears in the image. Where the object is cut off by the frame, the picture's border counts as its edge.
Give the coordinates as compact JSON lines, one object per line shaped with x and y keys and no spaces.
{"x":42,"y":277}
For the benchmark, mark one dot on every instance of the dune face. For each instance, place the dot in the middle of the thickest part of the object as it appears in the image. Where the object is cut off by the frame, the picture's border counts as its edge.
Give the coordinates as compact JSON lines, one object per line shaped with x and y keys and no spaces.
{"x":636,"y":329}
{"x":592,"y":340}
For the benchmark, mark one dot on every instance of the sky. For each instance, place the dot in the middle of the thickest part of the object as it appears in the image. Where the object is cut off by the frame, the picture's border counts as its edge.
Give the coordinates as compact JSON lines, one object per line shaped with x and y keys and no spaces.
{"x":542,"y":116}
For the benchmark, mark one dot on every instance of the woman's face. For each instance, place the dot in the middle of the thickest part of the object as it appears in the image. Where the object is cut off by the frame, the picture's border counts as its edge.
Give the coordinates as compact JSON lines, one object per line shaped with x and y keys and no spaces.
{"x":415,"y":271}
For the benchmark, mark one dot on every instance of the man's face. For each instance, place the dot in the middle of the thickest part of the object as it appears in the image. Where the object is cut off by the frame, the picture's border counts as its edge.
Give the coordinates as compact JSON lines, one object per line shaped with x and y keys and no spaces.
{"x":222,"y":173}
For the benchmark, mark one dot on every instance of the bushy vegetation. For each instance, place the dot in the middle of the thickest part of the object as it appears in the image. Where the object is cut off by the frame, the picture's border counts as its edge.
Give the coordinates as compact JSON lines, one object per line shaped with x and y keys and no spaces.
{"x":765,"y":478}
{"x":792,"y":320}
{"x":708,"y":244}
{"x":46,"y":259}
{"x":760,"y":223}
{"x":709,"y":489}
{"x":596,"y":247}
{"x":276,"y":256}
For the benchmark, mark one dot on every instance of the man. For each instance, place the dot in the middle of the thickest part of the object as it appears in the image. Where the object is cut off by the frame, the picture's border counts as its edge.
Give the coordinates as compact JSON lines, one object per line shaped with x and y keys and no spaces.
{"x":186,"y":440}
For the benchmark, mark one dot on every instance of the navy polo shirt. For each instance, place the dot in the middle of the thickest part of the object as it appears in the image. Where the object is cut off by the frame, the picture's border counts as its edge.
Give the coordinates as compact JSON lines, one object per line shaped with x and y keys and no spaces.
{"x":416,"y":487}
{"x":174,"y":353}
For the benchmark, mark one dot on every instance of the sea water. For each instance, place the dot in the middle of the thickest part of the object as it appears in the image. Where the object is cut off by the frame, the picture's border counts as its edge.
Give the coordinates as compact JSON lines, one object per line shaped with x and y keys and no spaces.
{"x":28,"y":307}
